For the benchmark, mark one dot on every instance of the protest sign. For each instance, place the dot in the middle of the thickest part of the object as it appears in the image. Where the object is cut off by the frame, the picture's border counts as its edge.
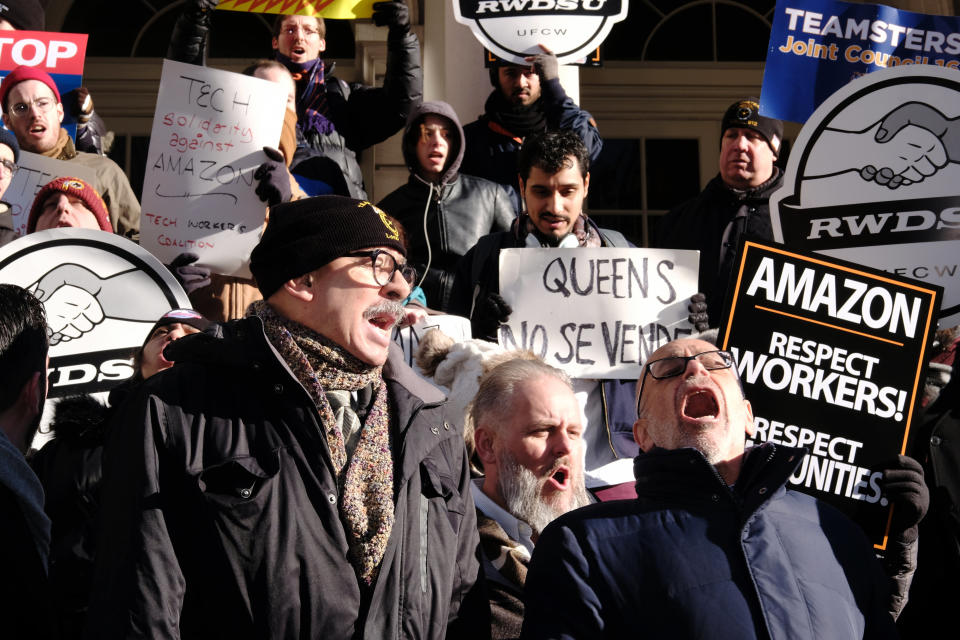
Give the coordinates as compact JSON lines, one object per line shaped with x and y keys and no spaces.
{"x":596,"y":313}
{"x":818,"y":46}
{"x":514,"y":29}
{"x":832,"y":357}
{"x":101,"y":293}
{"x":198,"y":192}
{"x":33,"y":172}
{"x":59,"y":54}
{"x":873,"y":176}
{"x":333,"y":9}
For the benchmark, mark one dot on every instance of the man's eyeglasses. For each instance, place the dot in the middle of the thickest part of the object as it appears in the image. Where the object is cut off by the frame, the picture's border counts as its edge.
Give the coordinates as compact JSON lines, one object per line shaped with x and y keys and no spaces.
{"x":307,"y":31}
{"x":675,"y":365}
{"x":42,"y":105}
{"x":385,"y":265}
{"x":7,"y":168}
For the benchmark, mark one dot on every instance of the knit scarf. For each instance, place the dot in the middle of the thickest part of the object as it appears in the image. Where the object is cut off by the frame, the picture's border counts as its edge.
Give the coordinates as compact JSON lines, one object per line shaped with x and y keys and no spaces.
{"x":311,"y":94}
{"x":365,"y":479}
{"x":518,"y":120}
{"x":585,"y":232}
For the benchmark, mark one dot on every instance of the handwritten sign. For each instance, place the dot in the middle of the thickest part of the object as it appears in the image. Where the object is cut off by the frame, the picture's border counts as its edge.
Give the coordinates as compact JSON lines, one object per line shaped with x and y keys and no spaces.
{"x":34,"y":171}
{"x":596,"y":313}
{"x":333,"y":9}
{"x":198,"y":192}
{"x":832,"y":357}
{"x":59,"y":54}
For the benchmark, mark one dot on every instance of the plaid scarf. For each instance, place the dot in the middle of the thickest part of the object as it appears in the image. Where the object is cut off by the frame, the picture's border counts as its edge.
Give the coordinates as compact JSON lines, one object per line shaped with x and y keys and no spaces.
{"x":311,"y":94}
{"x":365,"y":479}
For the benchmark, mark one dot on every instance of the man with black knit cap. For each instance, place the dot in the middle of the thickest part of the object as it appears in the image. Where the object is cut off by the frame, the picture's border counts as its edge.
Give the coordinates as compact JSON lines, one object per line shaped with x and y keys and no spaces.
{"x":733,"y":204}
{"x":526,"y":99}
{"x":285,"y":479}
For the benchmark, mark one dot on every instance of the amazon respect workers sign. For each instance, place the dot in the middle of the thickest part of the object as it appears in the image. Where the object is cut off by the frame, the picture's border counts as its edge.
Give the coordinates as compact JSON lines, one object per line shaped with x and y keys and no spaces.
{"x":513,"y":29}
{"x":207,"y":141}
{"x":873,"y":178}
{"x":596,"y":313}
{"x":59,"y":54}
{"x":832,"y":357}
{"x":818,"y":46}
{"x":85,"y":280}
{"x":33,"y":172}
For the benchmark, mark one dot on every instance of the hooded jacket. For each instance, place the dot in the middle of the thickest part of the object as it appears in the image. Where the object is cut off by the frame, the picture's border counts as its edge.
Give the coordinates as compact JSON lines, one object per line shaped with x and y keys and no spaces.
{"x":444,"y":219}
{"x":220,"y":509}
{"x":692,"y":557}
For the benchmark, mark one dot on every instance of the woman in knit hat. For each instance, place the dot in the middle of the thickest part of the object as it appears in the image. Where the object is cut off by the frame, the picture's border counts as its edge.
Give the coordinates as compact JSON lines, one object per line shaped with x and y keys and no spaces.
{"x":68,"y":202}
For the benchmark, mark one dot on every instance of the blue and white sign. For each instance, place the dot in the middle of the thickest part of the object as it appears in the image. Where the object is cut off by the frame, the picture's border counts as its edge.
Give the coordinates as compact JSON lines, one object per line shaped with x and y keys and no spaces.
{"x":818,"y":46}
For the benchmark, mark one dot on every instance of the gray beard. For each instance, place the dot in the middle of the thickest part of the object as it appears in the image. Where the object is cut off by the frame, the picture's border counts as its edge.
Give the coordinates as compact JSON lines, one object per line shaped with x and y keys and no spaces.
{"x":521,"y":489}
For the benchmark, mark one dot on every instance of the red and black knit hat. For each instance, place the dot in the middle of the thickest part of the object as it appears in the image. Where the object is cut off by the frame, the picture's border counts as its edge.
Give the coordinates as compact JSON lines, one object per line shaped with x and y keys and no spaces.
{"x":72,"y":187}
{"x":307,"y":234}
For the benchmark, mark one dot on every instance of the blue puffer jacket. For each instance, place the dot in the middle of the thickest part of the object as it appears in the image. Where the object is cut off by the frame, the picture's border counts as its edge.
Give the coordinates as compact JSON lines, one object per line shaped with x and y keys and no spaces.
{"x":694,"y":558}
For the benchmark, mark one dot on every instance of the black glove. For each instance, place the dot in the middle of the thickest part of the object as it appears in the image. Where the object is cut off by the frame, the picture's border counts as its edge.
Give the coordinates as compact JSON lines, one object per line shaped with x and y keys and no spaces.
{"x":488,"y":313}
{"x":903,"y":485}
{"x":190,"y":276}
{"x":698,"y":312}
{"x":395,"y":15}
{"x":546,"y":65}
{"x":274,"y":179}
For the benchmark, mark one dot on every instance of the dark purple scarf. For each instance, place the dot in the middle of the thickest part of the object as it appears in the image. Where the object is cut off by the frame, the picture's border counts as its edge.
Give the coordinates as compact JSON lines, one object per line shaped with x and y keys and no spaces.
{"x":311,"y":95}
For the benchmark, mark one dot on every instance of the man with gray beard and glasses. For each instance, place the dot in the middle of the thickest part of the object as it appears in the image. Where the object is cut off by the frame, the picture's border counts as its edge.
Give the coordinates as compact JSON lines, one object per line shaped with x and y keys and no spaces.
{"x":285,"y":478}
{"x":528,"y":435}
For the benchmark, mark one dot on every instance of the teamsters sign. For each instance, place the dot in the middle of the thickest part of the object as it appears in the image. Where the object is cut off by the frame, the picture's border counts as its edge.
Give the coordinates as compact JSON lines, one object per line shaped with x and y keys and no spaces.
{"x":832,"y":356}
{"x":512,"y":29}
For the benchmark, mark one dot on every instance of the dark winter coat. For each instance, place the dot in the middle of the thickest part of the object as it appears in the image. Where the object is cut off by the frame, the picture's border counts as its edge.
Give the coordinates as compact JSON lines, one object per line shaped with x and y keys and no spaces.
{"x":462,"y":208}
{"x":936,"y":584}
{"x":492,"y":151}
{"x":220,"y":509}
{"x":713,"y":223}
{"x":70,"y":469}
{"x":692,"y":557}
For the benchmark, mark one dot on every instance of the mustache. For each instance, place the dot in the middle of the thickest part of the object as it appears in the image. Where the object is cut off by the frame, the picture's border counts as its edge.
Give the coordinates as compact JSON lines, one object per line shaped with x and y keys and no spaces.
{"x":385,"y":308}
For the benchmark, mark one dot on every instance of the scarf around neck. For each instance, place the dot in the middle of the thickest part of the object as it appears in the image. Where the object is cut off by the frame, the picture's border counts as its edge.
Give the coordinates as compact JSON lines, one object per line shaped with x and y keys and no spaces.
{"x":311,"y":94}
{"x":365,"y":479}
{"x":520,"y":121}
{"x":583,"y":230}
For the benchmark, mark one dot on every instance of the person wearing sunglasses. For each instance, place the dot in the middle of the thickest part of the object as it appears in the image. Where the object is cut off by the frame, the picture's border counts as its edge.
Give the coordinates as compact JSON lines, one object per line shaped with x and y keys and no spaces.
{"x":9,"y":155}
{"x":286,"y":458}
{"x":715,"y":545}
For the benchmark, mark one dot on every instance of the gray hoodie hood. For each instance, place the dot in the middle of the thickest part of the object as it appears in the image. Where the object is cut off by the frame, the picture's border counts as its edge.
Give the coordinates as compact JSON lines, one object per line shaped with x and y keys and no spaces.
{"x":412,"y":133}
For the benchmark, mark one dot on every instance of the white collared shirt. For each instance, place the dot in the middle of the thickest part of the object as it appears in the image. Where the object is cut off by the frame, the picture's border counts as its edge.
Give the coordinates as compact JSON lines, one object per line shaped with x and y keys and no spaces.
{"x":517,"y":530}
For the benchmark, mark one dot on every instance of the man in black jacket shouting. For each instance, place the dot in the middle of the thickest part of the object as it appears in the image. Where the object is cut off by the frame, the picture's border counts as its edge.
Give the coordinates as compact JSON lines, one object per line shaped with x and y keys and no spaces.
{"x":285,"y":479}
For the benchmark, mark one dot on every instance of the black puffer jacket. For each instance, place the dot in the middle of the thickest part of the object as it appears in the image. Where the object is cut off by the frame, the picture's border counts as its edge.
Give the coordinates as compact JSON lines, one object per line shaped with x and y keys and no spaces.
{"x":462,"y":208}
{"x":713,"y":223}
{"x":220,"y":515}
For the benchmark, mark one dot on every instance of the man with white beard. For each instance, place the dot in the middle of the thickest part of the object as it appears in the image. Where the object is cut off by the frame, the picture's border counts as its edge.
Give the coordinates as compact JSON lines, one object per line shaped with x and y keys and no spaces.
{"x":528,"y":434}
